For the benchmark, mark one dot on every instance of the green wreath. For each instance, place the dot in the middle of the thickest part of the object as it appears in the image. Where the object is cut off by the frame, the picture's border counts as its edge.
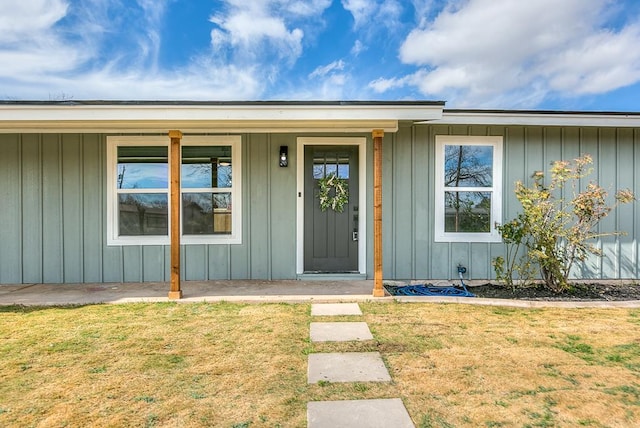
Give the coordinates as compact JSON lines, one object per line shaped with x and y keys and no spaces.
{"x":340,"y":193}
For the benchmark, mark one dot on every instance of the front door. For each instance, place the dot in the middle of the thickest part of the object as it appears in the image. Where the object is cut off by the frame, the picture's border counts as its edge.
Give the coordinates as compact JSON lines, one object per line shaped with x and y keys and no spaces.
{"x":330,"y":236}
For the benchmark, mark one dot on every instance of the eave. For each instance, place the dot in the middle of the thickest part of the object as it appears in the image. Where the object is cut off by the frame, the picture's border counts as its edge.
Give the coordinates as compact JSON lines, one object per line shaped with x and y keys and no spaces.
{"x":540,"y":118}
{"x":211,"y":117}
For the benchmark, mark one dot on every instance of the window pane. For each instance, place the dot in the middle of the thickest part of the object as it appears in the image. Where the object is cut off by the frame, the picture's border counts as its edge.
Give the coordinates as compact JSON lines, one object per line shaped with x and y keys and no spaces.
{"x":468,"y":166}
{"x":318,"y":171}
{"x":206,"y":166}
{"x":206,"y":213}
{"x":142,"y":167}
{"x":467,"y":212}
{"x":343,"y":168}
{"x":325,"y":164}
{"x":143,"y":214}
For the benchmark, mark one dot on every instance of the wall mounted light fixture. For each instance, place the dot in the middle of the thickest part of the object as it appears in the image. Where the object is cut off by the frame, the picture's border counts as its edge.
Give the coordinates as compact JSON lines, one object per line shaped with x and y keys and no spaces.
{"x":284,"y":156}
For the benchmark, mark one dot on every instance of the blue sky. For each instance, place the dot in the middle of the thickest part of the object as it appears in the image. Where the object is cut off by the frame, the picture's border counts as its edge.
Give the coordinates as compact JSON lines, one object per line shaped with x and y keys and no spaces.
{"x":504,"y":54}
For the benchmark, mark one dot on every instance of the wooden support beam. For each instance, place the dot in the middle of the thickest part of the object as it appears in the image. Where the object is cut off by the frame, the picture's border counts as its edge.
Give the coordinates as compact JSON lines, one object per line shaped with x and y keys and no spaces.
{"x":174,"y":161}
{"x":378,"y":290}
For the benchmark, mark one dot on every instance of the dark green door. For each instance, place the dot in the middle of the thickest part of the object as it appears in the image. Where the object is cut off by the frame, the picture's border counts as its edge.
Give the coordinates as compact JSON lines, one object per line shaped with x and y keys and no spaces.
{"x":330,"y":237}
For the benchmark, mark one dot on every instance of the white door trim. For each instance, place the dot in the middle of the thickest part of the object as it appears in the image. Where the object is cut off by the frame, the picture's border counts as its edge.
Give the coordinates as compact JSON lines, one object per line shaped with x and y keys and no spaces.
{"x":361,"y":143}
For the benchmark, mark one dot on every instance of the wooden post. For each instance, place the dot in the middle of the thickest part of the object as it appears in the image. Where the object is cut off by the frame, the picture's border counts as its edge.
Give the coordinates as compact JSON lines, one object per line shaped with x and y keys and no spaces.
{"x":378,"y":290}
{"x":174,"y":162}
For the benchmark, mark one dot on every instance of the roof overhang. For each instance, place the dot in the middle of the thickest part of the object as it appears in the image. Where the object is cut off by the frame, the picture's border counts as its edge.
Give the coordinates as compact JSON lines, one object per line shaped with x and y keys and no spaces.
{"x":539,"y":118}
{"x":212,"y":117}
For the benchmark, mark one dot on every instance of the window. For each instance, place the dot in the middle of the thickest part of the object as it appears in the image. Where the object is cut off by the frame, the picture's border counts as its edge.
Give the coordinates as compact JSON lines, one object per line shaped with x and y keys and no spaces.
{"x":139,"y":198}
{"x":468,"y":188}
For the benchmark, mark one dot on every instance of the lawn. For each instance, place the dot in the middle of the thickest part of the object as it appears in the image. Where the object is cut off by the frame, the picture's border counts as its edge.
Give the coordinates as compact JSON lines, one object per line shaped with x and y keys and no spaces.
{"x":236,"y":365}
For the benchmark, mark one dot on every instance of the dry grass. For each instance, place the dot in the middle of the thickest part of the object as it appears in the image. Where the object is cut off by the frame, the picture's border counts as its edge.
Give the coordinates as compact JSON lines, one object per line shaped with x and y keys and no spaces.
{"x":233,"y":365}
{"x":488,"y":366}
{"x":153,"y":365}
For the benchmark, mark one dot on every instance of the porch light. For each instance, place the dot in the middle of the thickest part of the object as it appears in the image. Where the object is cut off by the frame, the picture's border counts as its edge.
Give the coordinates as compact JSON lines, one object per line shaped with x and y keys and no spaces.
{"x":284,"y":156}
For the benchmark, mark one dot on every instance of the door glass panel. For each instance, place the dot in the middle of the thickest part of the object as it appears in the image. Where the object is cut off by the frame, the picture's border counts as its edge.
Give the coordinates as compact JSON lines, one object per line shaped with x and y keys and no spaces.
{"x":326,"y":164}
{"x":143,"y":214}
{"x":318,"y":171}
{"x":467,"y":212}
{"x":343,"y":168}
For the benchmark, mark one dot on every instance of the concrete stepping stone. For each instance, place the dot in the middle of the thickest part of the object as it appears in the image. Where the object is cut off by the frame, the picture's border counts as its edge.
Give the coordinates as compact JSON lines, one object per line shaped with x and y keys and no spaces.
{"x":347,"y":367}
{"x":380,"y":413}
{"x":318,"y":309}
{"x":339,"y":331}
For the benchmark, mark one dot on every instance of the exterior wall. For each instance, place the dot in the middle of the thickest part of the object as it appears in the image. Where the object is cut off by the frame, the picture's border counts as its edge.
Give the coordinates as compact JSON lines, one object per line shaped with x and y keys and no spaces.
{"x":53,"y":208}
{"x":409,"y":249}
{"x":53,"y":217}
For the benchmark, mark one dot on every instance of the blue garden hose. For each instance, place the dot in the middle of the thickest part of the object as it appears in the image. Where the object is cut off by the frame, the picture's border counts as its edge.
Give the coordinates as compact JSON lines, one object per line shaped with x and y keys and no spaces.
{"x":430,"y":289}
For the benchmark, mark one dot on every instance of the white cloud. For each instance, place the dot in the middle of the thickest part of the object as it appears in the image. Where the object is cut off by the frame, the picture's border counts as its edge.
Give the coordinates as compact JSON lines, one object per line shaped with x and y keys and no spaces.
{"x":383,"y":85}
{"x":371,"y":16}
{"x":360,"y":9}
{"x":260,"y":30}
{"x":26,"y":20}
{"x":484,"y":52}
{"x":30,"y":47}
{"x":154,"y":11}
{"x":54,"y":58}
{"x":357,"y":48}
{"x":326,"y":69}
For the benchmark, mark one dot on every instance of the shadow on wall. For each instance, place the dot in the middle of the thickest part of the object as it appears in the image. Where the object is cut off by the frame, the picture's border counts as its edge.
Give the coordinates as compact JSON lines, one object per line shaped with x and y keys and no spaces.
{"x":618,"y":261}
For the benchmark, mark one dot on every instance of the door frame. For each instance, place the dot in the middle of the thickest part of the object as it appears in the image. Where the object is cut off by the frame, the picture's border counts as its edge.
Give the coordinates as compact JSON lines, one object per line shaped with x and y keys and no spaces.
{"x":361,"y":143}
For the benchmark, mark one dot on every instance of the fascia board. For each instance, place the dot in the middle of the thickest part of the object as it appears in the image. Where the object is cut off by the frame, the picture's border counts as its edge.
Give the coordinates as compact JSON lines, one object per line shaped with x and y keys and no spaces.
{"x":149,"y":117}
{"x":197,"y":127}
{"x":616,"y":120}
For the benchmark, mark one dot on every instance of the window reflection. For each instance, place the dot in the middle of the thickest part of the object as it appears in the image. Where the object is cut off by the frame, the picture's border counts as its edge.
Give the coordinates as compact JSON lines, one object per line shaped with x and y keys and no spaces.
{"x":143,"y":214}
{"x":468,"y":166}
{"x":327,"y":164}
{"x":206,"y":213}
{"x":467,"y":212}
{"x":206,"y":167}
{"x":141,"y":167}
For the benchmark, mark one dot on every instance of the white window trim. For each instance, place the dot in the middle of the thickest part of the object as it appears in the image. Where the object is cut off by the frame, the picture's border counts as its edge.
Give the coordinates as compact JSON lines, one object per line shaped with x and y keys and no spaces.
{"x":235,"y":141}
{"x":496,"y":189}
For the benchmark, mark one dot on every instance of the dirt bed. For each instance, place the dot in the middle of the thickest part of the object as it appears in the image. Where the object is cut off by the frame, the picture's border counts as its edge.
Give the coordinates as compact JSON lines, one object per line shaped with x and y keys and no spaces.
{"x":578,"y":292}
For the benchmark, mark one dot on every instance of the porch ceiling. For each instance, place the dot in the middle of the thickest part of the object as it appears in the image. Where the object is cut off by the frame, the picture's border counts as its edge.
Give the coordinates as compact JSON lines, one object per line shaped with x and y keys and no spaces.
{"x":207,"y":117}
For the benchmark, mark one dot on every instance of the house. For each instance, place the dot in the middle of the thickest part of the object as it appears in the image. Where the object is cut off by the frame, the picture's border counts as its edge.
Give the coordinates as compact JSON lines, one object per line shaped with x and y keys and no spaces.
{"x":90,"y":191}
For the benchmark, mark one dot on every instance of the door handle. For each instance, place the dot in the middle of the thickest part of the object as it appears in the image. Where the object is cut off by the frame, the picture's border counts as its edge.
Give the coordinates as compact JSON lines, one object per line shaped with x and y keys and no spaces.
{"x":354,"y":235}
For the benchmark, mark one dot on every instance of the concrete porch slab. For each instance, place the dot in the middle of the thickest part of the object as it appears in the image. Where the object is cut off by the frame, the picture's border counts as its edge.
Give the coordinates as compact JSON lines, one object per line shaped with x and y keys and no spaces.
{"x":340,"y":331}
{"x":381,"y":413}
{"x":347,"y":367}
{"x":332,"y":309}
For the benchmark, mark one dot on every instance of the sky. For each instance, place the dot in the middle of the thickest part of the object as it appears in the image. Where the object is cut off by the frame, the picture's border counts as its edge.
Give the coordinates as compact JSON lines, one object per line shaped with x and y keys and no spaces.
{"x":484,"y":54}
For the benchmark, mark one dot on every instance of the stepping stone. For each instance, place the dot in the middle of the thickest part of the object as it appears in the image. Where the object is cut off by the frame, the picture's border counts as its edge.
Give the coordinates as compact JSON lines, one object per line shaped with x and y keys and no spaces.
{"x":339,"y":331}
{"x":318,"y":309}
{"x":382,"y":413}
{"x":347,"y":367}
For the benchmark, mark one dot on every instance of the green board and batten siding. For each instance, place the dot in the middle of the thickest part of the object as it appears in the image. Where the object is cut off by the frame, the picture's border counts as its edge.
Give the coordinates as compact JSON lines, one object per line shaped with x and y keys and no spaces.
{"x":53,"y":208}
{"x":53,"y":217}
{"x":408,"y":192}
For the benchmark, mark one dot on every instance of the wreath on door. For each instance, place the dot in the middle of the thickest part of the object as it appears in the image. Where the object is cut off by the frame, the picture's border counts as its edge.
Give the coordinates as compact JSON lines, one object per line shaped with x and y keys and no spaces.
{"x":334,"y":193}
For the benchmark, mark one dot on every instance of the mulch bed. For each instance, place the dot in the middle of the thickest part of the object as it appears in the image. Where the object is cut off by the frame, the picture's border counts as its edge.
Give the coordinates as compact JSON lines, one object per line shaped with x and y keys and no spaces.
{"x":578,"y":292}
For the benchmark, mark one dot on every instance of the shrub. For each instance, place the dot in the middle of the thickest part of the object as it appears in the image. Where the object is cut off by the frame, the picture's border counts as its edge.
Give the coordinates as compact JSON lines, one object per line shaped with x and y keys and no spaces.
{"x":553,"y":230}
